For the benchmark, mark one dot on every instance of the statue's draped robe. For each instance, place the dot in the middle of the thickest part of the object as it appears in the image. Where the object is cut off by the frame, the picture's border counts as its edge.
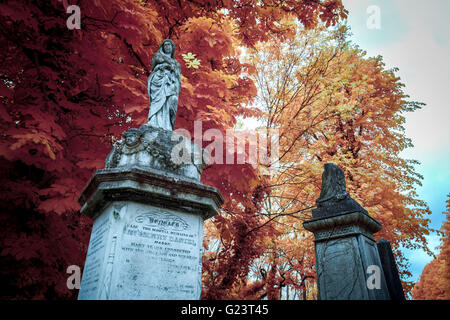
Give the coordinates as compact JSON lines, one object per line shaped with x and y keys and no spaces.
{"x":163,"y":87}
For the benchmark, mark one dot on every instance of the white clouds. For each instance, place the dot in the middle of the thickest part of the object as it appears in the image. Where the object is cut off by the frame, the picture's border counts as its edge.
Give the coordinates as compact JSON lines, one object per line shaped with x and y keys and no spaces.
{"x":425,"y":70}
{"x":422,"y":54}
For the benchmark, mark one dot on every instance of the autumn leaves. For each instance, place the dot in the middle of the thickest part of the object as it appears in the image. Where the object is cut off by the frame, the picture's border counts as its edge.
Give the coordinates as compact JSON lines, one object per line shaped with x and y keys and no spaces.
{"x":66,"y":97}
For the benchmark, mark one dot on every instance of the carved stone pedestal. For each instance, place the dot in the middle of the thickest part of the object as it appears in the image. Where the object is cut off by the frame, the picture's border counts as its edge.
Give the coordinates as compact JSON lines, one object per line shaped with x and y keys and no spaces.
{"x":347,"y":260}
{"x":146,"y":240}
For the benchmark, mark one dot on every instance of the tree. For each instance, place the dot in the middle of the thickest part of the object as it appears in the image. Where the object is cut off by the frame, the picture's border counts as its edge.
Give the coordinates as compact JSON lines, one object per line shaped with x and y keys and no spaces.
{"x":68,"y":94}
{"x":331,"y":103}
{"x":434,"y":282}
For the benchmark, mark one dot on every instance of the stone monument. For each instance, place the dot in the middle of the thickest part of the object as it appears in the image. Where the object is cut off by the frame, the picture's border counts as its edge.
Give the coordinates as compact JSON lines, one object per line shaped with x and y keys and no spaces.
{"x":345,"y":249}
{"x":390,"y":270}
{"x":148,"y":210}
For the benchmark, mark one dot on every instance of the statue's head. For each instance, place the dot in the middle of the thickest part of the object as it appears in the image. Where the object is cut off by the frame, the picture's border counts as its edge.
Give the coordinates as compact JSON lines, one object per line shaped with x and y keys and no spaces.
{"x":168,"y":47}
{"x":333,"y":182}
{"x":132,"y":137}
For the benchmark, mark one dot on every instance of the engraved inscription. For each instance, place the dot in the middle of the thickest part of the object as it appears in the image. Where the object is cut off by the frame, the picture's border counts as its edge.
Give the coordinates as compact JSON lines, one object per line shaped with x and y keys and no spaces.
{"x":159,"y":254}
{"x":94,"y":259}
{"x":162,"y":220}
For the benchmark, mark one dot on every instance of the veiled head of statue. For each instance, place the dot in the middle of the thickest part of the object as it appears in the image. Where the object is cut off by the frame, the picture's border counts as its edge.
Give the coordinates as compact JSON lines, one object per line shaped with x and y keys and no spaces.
{"x":168,"y":47}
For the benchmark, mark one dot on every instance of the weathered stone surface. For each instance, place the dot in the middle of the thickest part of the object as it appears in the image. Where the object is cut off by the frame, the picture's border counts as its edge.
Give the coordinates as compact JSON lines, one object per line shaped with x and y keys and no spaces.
{"x":152,"y":147}
{"x":146,"y":240}
{"x":342,"y":225}
{"x":390,"y":270}
{"x":150,"y":186}
{"x":340,"y":276}
{"x":334,"y":199}
{"x":333,"y":183}
{"x":344,"y":249}
{"x":139,"y":251}
{"x":344,"y":243}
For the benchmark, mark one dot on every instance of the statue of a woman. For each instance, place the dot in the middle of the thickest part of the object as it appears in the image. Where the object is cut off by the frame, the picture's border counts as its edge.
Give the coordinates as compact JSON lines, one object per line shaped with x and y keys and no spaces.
{"x":164,"y":87}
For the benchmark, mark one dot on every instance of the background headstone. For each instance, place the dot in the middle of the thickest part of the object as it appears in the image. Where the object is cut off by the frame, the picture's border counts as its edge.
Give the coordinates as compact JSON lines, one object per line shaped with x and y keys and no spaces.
{"x":346,"y":253}
{"x":390,"y":270}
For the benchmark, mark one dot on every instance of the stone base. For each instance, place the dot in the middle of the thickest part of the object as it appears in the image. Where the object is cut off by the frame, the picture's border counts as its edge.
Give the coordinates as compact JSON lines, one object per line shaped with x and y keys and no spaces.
{"x":146,"y":241}
{"x":148,"y":185}
{"x":139,"y":251}
{"x":391,"y":275}
{"x":345,"y":248}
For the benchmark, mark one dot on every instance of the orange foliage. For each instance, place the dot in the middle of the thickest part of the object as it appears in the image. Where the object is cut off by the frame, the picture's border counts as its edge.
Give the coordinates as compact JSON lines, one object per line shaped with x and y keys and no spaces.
{"x":333,"y":104}
{"x":434,"y":282}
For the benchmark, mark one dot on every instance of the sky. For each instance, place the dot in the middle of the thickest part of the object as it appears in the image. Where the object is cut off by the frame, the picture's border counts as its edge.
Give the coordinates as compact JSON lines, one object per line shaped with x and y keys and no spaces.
{"x":414,"y":36}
